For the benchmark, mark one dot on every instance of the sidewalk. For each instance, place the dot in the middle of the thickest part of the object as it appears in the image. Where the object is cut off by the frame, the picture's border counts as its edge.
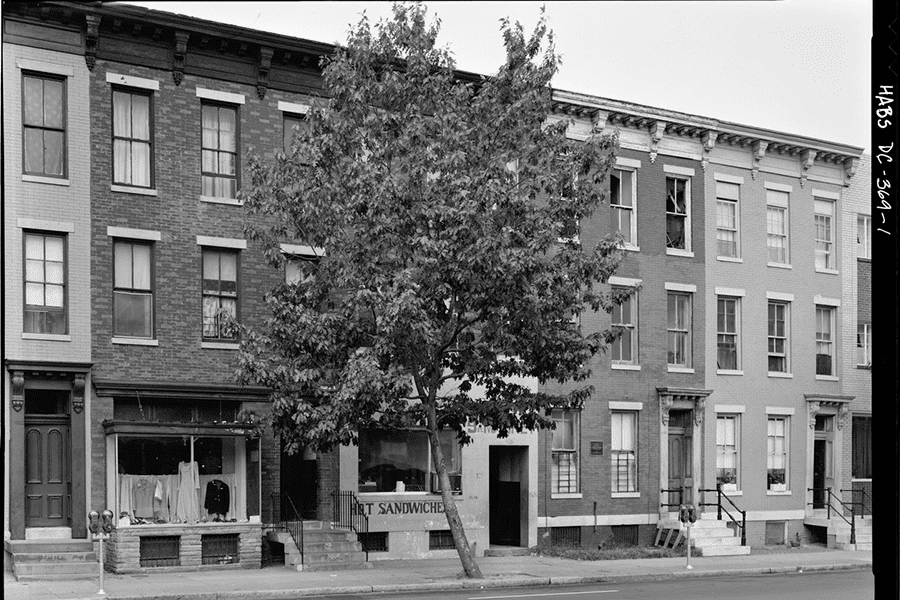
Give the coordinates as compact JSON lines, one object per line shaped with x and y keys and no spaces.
{"x":279,"y":583}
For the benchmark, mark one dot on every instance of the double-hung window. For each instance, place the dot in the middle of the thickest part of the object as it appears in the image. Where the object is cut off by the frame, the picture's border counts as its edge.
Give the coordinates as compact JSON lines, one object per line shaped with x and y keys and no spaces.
{"x":863,"y":236}
{"x":728,"y":319}
{"x":778,"y":337}
{"x":624,"y":348}
{"x":824,"y":221}
{"x":777,"y":226}
{"x":624,"y":452}
{"x":679,"y":329}
{"x":219,"y":169}
{"x":727,"y":217}
{"x":220,"y":292}
{"x":132,"y":289}
{"x":45,"y":283}
{"x":622,"y":200}
{"x":777,"y":453}
{"x":44,"y":124}
{"x":564,"y":449}
{"x":132,"y":137}
{"x":824,"y":340}
{"x":727,"y":451}
{"x":864,"y":344}
{"x":677,"y":213}
{"x":292,"y":123}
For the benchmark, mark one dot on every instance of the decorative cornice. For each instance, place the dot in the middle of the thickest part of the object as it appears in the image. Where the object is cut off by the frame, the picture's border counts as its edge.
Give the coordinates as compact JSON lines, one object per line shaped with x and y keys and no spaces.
{"x":813,"y":408}
{"x":708,"y":141}
{"x":666,"y":402}
{"x":18,"y":390}
{"x":91,"y":35}
{"x":657,"y":131}
{"x":816,"y":402}
{"x":850,"y":166}
{"x":265,"y":63}
{"x":668,"y":396}
{"x":699,"y":410}
{"x":759,"y":151}
{"x":195,"y":391}
{"x":843,"y":411}
{"x":78,"y":392}
{"x":598,"y":119}
{"x":179,"y":52}
{"x":807,"y":159}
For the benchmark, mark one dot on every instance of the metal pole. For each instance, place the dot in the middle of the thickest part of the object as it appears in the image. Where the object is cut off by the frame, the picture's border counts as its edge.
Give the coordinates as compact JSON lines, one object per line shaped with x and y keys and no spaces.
{"x":101,"y":592}
{"x":688,"y":525}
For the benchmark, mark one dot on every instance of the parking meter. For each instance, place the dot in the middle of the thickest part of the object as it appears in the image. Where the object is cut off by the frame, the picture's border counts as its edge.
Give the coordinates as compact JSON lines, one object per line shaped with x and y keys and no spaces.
{"x":107,"y":521}
{"x":94,"y":522}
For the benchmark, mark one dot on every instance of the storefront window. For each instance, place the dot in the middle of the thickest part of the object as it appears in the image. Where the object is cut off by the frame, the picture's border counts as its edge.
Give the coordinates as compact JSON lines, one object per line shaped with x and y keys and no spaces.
{"x":401,"y":462}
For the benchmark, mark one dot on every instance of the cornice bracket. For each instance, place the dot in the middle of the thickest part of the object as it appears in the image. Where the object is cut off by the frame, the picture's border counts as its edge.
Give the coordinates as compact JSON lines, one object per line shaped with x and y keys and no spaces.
{"x":91,"y":35}
{"x":180,"y":51}
{"x":807,"y":158}
{"x":598,"y":119}
{"x":262,"y":77}
{"x":850,"y":166}
{"x":759,"y":151}
{"x":18,"y":390}
{"x":657,"y":131}
{"x":78,"y":392}
{"x":708,"y":140}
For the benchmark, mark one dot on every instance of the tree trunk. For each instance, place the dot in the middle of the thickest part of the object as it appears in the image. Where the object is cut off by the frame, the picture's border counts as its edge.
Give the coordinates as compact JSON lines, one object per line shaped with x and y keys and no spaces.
{"x":452,"y":513}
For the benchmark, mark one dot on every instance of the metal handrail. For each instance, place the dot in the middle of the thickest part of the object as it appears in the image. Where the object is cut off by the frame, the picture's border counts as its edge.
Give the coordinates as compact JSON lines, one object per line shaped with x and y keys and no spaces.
{"x":293,"y":526}
{"x":680,"y":496}
{"x":350,"y":514}
{"x":720,"y":509}
{"x":851,"y":522}
{"x":862,"y":502}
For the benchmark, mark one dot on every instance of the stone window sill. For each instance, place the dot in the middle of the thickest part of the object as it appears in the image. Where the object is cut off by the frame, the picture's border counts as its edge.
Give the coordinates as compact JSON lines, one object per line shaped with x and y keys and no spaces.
{"x":624,"y":367}
{"x":215,"y":200}
{"x":626,"y":495}
{"x":135,"y":341}
{"x":47,"y":337}
{"x":679,"y":252}
{"x":127,"y":189}
{"x":47,"y":180}
{"x":575,"y":496}
{"x":220,"y":345}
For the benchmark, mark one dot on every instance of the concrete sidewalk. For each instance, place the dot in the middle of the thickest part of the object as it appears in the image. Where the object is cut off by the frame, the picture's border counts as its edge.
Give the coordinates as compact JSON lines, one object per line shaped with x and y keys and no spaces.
{"x":279,"y":583}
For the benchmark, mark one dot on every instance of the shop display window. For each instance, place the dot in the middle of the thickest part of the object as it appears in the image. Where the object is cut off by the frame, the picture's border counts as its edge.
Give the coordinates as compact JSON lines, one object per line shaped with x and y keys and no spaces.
{"x":400,"y":461}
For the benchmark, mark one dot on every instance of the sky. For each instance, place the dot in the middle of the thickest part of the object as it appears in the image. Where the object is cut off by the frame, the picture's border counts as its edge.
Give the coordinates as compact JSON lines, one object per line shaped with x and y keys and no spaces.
{"x":795,"y":66}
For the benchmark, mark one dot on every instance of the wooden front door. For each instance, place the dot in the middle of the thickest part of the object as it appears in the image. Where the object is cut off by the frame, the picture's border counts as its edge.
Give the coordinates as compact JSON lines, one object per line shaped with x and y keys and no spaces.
{"x":48,"y":487}
{"x":680,"y":459}
{"x":823,"y":460}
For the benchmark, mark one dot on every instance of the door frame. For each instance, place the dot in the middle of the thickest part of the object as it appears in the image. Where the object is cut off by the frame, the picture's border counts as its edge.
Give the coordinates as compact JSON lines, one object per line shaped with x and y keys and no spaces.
{"x":838,"y":407}
{"x":522,"y":467}
{"x":680,"y":399}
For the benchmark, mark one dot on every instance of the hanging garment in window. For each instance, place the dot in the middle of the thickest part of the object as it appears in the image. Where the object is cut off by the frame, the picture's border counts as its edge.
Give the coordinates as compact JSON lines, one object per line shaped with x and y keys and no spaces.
{"x":217,"y":497}
{"x":187,"y":509}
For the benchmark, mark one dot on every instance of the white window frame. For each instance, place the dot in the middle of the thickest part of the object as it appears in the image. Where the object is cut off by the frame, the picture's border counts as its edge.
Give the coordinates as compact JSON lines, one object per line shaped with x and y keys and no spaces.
{"x":736,"y":334}
{"x":631,"y":329}
{"x":632,"y":485}
{"x":830,"y":341}
{"x":863,"y":236}
{"x":688,"y":248}
{"x":683,"y":329}
{"x":864,"y":344}
{"x":722,"y":448}
{"x":828,"y":240}
{"x":778,"y":200}
{"x":562,"y":419}
{"x":770,"y":337}
{"x":771,"y":453}
{"x":723,"y":198}
{"x":623,"y":172}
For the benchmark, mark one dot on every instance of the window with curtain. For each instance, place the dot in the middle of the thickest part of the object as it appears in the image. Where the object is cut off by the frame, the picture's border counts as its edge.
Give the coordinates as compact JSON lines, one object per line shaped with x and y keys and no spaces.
{"x":622,"y":200}
{"x":679,"y":329}
{"x":624,"y":452}
{"x":824,"y":234}
{"x":44,"y":124}
{"x":220,"y":292}
{"x":564,"y":449}
{"x":864,"y":236}
{"x":778,"y":337}
{"x":776,"y":457}
{"x":727,"y":450}
{"x":624,"y":348}
{"x":219,"y":168}
{"x":824,"y":340}
{"x":727,"y":326}
{"x":132,"y":139}
{"x":777,"y":226}
{"x":864,"y":344}
{"x":291,"y":123}
{"x":132,"y":290}
{"x":862,"y":448}
{"x":45,"y":283}
{"x":677,"y":224}
{"x":727,"y":195}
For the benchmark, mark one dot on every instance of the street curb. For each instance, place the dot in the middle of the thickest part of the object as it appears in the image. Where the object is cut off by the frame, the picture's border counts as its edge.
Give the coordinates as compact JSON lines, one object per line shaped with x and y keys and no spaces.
{"x":475,"y":584}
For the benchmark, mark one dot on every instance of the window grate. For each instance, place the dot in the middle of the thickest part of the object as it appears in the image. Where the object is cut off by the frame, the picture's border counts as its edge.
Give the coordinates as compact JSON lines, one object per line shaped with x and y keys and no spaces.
{"x":220,"y":549}
{"x":624,"y":535}
{"x":374,"y":541}
{"x":774,"y":533}
{"x":440,"y":540}
{"x":160,"y":551}
{"x":565,"y":536}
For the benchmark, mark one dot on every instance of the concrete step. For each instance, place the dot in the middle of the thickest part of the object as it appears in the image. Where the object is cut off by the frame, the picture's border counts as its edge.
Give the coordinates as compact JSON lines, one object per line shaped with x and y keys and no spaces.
{"x":47,"y":546}
{"x":723,"y":551}
{"x":709,"y":524}
{"x":317,"y":558}
{"x":54,"y":557}
{"x":715,"y":541}
{"x":337,"y":546}
{"x":55,"y":568}
{"x":511,"y":551}
{"x":711,"y":533}
{"x":349,"y":566}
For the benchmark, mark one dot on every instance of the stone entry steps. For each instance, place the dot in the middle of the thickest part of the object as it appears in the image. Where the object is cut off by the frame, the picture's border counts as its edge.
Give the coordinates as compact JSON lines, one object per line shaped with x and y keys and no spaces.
{"x":52,"y":559}
{"x":709,"y":537}
{"x":839,"y":535}
{"x":325,"y":548}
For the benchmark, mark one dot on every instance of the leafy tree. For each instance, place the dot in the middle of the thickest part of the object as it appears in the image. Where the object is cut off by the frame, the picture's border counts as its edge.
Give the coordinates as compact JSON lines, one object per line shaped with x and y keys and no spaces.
{"x":436,"y":203}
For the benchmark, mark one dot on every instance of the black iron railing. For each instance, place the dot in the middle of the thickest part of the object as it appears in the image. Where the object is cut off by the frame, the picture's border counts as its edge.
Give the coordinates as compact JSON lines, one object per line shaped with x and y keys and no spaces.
{"x":720,"y":508}
{"x":829,"y":496}
{"x":291,"y":522}
{"x":350,"y":514}
{"x":862,"y":503}
{"x":679,"y":491}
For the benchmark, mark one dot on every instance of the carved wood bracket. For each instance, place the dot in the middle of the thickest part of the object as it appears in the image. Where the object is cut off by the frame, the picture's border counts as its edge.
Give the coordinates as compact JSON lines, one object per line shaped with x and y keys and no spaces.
{"x":91,"y":35}
{"x":708,"y":139}
{"x":668,"y":396}
{"x":18,"y":390}
{"x":850,"y":166}
{"x":179,"y":53}
{"x":262,"y":77}
{"x":657,"y":131}
{"x":759,"y":151}
{"x":842,"y":406}
{"x":807,"y":158}
{"x":78,"y":392}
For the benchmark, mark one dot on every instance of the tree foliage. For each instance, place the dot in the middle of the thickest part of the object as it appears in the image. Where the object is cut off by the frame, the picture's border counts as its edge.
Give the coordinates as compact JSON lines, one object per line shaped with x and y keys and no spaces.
{"x":440,"y":210}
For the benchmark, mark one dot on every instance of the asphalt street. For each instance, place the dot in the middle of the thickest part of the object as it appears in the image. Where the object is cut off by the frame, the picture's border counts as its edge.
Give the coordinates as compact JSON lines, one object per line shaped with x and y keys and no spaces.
{"x":836,"y":585}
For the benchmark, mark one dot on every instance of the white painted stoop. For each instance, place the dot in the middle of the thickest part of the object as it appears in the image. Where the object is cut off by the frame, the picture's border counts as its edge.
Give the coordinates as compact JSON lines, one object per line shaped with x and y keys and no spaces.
{"x":712,"y":537}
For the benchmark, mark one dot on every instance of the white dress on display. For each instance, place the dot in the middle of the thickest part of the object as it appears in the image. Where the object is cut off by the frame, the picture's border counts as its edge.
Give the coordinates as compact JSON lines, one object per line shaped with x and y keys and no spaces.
{"x":187,"y":507}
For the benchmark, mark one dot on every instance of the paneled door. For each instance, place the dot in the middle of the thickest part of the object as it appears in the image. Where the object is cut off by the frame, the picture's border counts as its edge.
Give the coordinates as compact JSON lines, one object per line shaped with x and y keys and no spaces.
{"x":47,"y":485}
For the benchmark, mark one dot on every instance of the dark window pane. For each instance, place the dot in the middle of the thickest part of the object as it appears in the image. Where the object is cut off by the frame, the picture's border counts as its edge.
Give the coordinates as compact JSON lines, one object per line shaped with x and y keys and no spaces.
{"x":53,"y":152}
{"x":133,"y":314}
{"x":34,"y":151}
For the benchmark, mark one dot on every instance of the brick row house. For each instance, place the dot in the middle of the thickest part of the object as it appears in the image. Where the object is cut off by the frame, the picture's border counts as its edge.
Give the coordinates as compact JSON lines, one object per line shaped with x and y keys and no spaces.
{"x":127,"y":132}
